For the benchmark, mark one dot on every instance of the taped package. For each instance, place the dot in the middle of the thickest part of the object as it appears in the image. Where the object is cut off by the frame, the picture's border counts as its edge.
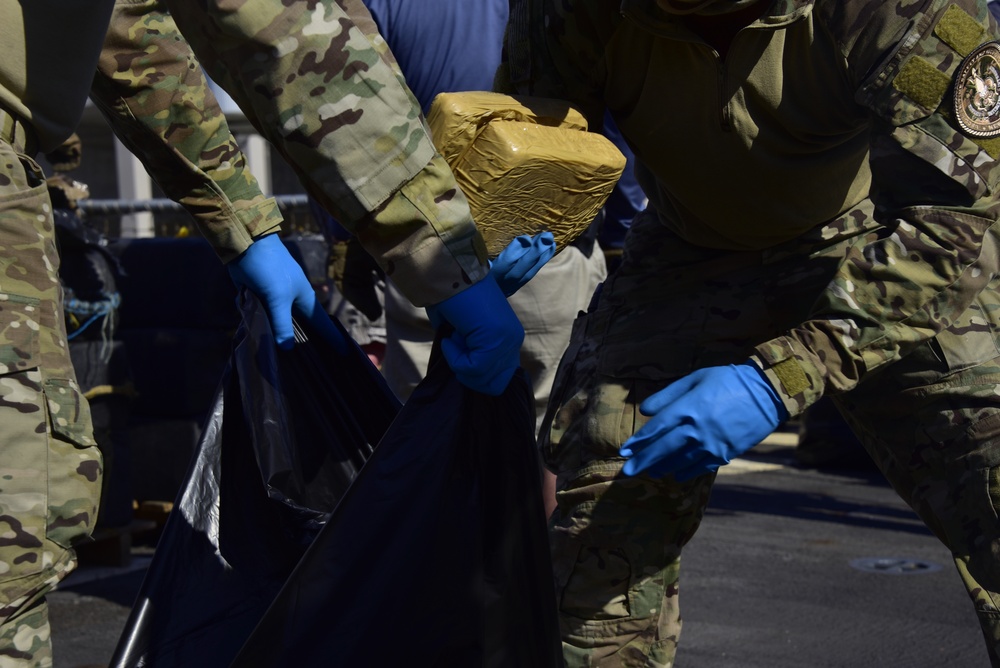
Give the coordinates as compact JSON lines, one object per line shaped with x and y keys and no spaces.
{"x":525,"y":164}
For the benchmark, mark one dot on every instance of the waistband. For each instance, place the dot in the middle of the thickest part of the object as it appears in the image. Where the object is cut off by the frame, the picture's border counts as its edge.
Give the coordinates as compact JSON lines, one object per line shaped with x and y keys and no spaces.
{"x":17,"y":133}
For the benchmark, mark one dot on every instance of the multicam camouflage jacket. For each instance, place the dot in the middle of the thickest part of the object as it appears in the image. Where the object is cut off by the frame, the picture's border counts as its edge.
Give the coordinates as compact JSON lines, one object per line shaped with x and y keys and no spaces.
{"x":873,"y":120}
{"x":316,"y":80}
{"x":157,"y":100}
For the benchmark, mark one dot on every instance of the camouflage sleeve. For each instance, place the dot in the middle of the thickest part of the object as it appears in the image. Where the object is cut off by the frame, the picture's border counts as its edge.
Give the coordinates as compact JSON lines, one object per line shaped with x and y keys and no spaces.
{"x":156,"y":99}
{"x":554,"y":49}
{"x":318,"y":81}
{"x":934,"y":149}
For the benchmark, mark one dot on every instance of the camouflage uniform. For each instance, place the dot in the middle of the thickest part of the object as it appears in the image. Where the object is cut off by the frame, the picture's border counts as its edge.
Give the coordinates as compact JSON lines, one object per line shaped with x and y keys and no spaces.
{"x":158,"y":101}
{"x":322,"y":88}
{"x":817,"y":204}
{"x":155,"y":96}
{"x":50,"y":467}
{"x":318,"y":81}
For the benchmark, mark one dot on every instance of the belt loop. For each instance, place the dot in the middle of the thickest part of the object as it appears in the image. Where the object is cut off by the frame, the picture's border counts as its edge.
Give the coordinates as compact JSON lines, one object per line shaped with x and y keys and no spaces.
{"x":17,"y":133}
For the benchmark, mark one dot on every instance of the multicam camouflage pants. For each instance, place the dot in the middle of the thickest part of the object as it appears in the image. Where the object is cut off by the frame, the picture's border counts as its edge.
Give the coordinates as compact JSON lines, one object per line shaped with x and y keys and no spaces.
{"x":930,"y":421}
{"x":50,"y":467}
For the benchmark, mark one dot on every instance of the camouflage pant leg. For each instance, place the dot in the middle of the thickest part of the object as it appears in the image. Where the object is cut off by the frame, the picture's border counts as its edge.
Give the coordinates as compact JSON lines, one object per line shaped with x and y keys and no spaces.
{"x":50,"y":467}
{"x":616,"y":542}
{"x":932,"y":424}
{"x":26,"y":639}
{"x":669,"y":309}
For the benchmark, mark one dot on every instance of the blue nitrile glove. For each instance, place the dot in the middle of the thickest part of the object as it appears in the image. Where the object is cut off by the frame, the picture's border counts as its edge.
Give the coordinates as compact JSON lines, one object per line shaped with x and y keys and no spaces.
{"x":521,"y":259}
{"x":702,"y":421}
{"x":484,"y":350}
{"x":273,"y":275}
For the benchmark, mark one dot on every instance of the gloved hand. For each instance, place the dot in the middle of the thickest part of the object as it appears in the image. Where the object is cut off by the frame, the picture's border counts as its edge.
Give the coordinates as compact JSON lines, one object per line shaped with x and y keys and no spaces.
{"x":702,"y":421}
{"x":484,"y":350}
{"x":270,"y":272}
{"x":521,"y":259}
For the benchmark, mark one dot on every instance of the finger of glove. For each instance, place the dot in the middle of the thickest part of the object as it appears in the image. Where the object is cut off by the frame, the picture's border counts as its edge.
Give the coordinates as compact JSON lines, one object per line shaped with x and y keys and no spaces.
{"x":543,"y":248}
{"x":670,"y":448}
{"x":515,"y":249}
{"x":694,"y":463}
{"x":541,"y":251}
{"x":263,"y":269}
{"x":308,"y":307}
{"x":295,"y":295}
{"x":544,"y":243}
{"x":658,"y":401}
{"x":670,"y":422}
{"x":511,"y":253}
{"x":647,"y":435}
{"x":486,"y":370}
{"x":504,"y":268}
{"x":474,"y":366}
{"x":688,"y":463}
{"x":279,"y":313}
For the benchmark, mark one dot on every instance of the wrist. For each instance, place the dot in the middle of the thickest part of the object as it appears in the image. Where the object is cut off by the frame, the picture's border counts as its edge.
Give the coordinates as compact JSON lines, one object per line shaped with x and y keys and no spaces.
{"x":759,"y":381}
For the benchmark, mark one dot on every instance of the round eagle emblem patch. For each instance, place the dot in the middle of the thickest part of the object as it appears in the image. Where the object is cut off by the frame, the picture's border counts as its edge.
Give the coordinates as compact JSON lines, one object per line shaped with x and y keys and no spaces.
{"x":977,"y":92}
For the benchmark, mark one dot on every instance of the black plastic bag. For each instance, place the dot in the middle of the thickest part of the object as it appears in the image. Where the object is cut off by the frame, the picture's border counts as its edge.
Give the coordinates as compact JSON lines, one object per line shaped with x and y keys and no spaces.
{"x":436,"y":553}
{"x":286,"y":436}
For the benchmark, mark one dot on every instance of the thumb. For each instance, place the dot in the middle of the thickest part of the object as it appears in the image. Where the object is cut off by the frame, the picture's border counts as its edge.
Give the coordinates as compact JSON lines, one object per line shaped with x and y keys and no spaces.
{"x":280,"y":316}
{"x":322,"y":323}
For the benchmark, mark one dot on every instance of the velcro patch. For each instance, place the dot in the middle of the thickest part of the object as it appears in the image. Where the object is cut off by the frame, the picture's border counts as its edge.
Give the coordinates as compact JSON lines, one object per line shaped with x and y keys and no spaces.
{"x":991,"y":146}
{"x":793,"y":378}
{"x":959,"y":30}
{"x":923,"y":83}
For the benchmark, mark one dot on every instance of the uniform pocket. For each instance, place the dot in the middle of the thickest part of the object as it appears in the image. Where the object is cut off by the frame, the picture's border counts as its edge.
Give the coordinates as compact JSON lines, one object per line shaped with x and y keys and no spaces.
{"x":23,"y":458}
{"x":50,"y":482}
{"x":972,"y":340}
{"x":74,"y":464}
{"x":599,"y":585}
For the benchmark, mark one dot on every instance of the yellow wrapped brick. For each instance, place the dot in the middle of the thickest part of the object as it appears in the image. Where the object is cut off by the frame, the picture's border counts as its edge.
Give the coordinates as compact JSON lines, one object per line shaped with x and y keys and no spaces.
{"x":525,"y":164}
{"x":456,"y":118}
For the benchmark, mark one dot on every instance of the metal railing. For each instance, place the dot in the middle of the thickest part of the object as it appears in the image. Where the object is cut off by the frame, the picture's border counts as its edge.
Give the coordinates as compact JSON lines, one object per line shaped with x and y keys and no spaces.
{"x":115,"y":207}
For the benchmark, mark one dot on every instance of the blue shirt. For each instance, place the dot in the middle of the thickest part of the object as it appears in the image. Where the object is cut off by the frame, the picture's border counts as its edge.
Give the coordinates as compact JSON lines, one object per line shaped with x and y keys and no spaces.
{"x":443,"y":46}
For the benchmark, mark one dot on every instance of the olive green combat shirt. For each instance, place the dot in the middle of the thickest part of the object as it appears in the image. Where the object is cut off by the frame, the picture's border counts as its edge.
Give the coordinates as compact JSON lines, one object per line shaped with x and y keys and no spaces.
{"x":821,"y":111}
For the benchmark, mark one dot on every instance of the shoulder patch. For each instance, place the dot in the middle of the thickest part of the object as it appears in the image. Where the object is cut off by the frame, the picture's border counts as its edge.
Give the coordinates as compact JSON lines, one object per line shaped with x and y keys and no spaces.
{"x":976,"y":101}
{"x":959,"y":30}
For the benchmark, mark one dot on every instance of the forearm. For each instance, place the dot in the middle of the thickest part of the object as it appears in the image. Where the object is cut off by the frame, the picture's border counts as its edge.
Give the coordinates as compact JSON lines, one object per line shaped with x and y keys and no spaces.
{"x":157,"y":101}
{"x":424,"y":238}
{"x":893,"y":291}
{"x":362,"y":150}
{"x":936,"y":200}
